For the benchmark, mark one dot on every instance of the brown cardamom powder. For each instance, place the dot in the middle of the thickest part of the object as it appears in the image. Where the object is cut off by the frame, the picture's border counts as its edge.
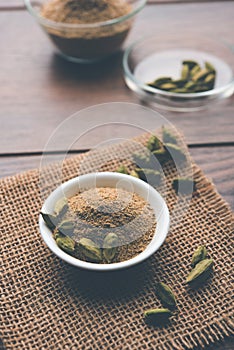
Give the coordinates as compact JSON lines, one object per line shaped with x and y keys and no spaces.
{"x":97,"y":212}
{"x":87,"y":42}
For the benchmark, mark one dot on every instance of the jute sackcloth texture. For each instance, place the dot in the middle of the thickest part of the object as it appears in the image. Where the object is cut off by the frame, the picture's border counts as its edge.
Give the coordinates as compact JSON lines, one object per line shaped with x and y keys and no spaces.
{"x":47,"y":304}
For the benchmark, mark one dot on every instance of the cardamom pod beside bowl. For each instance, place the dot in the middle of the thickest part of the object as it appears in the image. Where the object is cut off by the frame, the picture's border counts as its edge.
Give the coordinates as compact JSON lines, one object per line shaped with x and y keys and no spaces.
{"x":180,"y":71}
{"x":95,"y":180}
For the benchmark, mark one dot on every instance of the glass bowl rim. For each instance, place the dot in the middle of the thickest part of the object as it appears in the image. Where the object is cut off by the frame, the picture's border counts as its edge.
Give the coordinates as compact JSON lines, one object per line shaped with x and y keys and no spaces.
{"x":59,"y":25}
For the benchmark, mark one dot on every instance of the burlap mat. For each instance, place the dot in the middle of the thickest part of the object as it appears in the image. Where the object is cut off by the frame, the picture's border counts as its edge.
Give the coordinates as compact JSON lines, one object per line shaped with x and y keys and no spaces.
{"x":47,"y":304}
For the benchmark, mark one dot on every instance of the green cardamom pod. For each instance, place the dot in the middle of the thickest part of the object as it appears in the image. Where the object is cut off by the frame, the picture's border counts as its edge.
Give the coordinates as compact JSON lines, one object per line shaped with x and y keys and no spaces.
{"x":190,"y":86}
{"x":150,"y":176}
{"x":156,"y":83}
{"x":185,"y":72}
{"x":167,"y":86}
{"x":200,"y":272}
{"x":201,"y":87}
{"x":195,"y":70}
{"x":134,"y":173}
{"x":66,"y":227}
{"x":110,"y":245}
{"x":180,"y":90}
{"x":180,"y":83}
{"x":162,"y":156}
{"x":168,"y":136}
{"x":199,"y":255}
{"x":122,"y":169}
{"x":61,"y":207}
{"x":141,"y":160}
{"x":50,"y":220}
{"x":153,"y":143}
{"x":210,"y":67}
{"x":201,"y":75}
{"x":157,"y":316}
{"x":66,"y":243}
{"x":175,"y":152}
{"x":183,"y":185}
{"x":90,"y":250}
{"x":165,"y":294}
{"x":210,"y":80}
{"x":190,"y":63}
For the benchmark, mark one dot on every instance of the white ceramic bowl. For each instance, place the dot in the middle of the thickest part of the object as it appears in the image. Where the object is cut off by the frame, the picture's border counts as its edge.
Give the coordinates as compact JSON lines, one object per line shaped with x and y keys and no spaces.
{"x":108,"y":179}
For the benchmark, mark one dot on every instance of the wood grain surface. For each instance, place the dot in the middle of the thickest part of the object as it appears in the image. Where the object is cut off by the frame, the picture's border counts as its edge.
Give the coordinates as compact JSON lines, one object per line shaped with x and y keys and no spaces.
{"x":216,"y":162}
{"x":39,"y":90}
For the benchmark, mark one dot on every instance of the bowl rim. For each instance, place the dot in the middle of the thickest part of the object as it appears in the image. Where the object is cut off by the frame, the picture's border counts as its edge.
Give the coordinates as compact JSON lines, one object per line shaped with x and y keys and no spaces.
{"x":59,"y":25}
{"x":161,"y":93}
{"x":151,"y":248}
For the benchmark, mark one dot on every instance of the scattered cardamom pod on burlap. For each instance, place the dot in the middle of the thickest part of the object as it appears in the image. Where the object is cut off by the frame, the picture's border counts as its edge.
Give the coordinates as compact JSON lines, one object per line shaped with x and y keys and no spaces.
{"x":157,"y":316}
{"x":90,"y":249}
{"x":168,"y":136}
{"x":200,"y":272}
{"x":152,"y":177}
{"x":183,"y":185}
{"x":175,"y":152}
{"x":110,"y":245}
{"x":165,"y":294}
{"x":50,"y":220}
{"x":153,"y":144}
{"x":199,"y":254}
{"x":162,"y":156}
{"x":66,"y":243}
{"x":142,"y":160}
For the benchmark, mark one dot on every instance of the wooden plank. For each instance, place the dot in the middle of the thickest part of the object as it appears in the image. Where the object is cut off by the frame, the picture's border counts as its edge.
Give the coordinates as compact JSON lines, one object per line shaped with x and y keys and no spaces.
{"x":216,"y":162}
{"x":39,"y":90}
{"x":218,"y":165}
{"x":12,"y":165}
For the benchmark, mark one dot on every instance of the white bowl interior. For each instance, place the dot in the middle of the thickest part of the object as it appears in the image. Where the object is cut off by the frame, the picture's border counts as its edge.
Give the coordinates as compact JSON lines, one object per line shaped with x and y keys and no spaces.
{"x":108,"y":179}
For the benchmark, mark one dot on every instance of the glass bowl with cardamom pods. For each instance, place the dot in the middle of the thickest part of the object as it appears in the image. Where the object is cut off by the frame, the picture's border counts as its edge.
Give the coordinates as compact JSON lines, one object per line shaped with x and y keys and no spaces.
{"x":86,"y":30}
{"x":104,"y":221}
{"x":184,"y":72}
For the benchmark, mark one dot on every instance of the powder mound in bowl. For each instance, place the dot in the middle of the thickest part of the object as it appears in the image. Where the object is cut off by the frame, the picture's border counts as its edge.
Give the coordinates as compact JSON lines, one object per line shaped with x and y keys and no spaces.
{"x":84,"y":11}
{"x":87,"y":43}
{"x":99,"y":212}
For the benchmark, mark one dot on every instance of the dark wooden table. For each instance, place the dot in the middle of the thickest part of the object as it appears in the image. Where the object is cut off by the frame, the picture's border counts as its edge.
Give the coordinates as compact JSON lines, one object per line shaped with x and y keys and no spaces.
{"x":39,"y":90}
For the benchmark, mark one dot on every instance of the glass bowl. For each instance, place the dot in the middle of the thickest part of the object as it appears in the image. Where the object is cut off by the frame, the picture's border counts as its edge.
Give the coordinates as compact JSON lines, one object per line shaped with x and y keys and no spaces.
{"x":151,"y":58}
{"x":84,"y":43}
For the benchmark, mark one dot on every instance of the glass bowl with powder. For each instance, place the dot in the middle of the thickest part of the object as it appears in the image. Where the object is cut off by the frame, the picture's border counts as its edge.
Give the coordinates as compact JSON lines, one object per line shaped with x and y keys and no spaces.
{"x":85,"y":31}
